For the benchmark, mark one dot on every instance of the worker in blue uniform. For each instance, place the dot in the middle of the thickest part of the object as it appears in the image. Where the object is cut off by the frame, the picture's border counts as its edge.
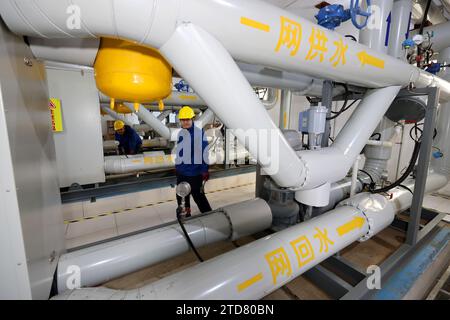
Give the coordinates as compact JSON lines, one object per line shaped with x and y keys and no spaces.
{"x":191,"y":165}
{"x":129,"y":140}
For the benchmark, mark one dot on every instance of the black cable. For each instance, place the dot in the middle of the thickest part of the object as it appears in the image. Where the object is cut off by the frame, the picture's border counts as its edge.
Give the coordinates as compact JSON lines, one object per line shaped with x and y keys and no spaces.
{"x":376,"y":134}
{"x":405,"y":175}
{"x":188,"y":239}
{"x":342,"y":111}
{"x":351,"y":37}
{"x":346,"y":94}
{"x":405,"y":187}
{"x":372,"y":182}
{"x":425,"y":17}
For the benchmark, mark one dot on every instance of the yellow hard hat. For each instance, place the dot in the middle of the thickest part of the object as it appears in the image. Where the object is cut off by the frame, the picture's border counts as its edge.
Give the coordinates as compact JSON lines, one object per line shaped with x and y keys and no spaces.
{"x":118,"y":124}
{"x":186,"y":113}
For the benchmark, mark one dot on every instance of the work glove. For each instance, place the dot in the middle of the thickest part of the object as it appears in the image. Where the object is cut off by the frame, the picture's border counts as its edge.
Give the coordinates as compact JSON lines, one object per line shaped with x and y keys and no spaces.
{"x":205,"y":176}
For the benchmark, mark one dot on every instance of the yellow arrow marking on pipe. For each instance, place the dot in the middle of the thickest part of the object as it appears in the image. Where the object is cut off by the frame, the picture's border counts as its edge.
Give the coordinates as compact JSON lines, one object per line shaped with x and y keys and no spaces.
{"x":366,"y":58}
{"x":247,"y":283}
{"x":355,"y":223}
{"x":255,"y":24}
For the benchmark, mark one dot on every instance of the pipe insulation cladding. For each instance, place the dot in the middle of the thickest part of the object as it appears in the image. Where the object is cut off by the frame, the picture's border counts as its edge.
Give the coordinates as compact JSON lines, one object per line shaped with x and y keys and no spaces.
{"x":113,"y":259}
{"x":263,"y":29}
{"x":259,"y":268}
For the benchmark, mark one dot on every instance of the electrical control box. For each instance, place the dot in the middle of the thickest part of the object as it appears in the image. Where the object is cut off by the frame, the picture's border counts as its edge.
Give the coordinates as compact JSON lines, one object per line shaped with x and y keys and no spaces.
{"x":313,"y":120}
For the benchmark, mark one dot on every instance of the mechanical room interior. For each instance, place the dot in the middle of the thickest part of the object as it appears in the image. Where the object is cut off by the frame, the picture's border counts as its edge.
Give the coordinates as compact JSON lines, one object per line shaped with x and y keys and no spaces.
{"x":324,"y":149}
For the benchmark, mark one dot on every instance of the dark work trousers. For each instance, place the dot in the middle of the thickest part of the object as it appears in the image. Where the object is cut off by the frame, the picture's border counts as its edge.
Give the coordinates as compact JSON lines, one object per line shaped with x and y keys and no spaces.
{"x":196,"y":191}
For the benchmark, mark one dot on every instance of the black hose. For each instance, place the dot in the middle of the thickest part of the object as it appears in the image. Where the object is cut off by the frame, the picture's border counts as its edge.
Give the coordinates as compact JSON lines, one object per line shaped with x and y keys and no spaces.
{"x":412,"y":163}
{"x":425,"y":17}
{"x":188,"y":239}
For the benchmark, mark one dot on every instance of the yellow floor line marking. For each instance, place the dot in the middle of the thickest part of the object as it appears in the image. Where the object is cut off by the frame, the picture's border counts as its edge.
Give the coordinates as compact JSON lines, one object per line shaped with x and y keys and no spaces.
{"x":247,"y":283}
{"x":255,"y":24}
{"x":147,"y":205}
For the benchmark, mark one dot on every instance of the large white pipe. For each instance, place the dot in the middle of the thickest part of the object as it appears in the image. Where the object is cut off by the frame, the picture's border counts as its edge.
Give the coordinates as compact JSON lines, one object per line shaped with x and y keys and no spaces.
{"x":286,"y":168}
{"x":263,"y":35}
{"x":153,"y":121}
{"x":261,"y":267}
{"x":262,"y":76}
{"x":197,"y":56}
{"x":83,"y":52}
{"x":100,"y":263}
{"x":333,"y":163}
{"x":401,"y":16}
{"x":138,"y":162}
{"x":442,"y":164}
{"x":155,"y":160}
{"x":285,"y":109}
{"x":441,"y":35}
{"x":376,"y":36}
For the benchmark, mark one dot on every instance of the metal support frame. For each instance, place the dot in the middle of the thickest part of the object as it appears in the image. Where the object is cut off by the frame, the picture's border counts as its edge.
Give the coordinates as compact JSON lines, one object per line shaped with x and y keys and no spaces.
{"x":327,"y":101}
{"x":347,"y":282}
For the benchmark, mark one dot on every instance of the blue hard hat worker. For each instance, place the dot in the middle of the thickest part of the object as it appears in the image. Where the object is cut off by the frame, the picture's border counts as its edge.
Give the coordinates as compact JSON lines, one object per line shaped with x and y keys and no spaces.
{"x":191,"y":165}
{"x":129,"y":140}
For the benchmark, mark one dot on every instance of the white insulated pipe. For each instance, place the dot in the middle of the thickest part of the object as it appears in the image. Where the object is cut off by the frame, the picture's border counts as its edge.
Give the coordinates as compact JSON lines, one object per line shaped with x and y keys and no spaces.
{"x":354,"y":185}
{"x":376,"y":143}
{"x":103,"y":262}
{"x":163,"y":115}
{"x":259,"y":268}
{"x":375,"y":36}
{"x":332,"y":164}
{"x":138,"y":162}
{"x":159,"y":127}
{"x":83,"y":52}
{"x":401,"y":15}
{"x":441,"y":35}
{"x":198,"y":56}
{"x":285,"y":109}
{"x":262,"y":28}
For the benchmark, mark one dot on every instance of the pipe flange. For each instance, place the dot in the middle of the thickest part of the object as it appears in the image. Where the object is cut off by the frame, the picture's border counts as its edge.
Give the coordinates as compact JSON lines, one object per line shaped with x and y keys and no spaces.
{"x":305,"y":179}
{"x":370,"y":232}
{"x":225,"y":213}
{"x":370,"y":221}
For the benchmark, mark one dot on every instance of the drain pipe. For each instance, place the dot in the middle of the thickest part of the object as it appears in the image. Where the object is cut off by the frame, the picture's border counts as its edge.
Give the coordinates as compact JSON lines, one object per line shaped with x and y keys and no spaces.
{"x":113,"y":259}
{"x":259,"y":268}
